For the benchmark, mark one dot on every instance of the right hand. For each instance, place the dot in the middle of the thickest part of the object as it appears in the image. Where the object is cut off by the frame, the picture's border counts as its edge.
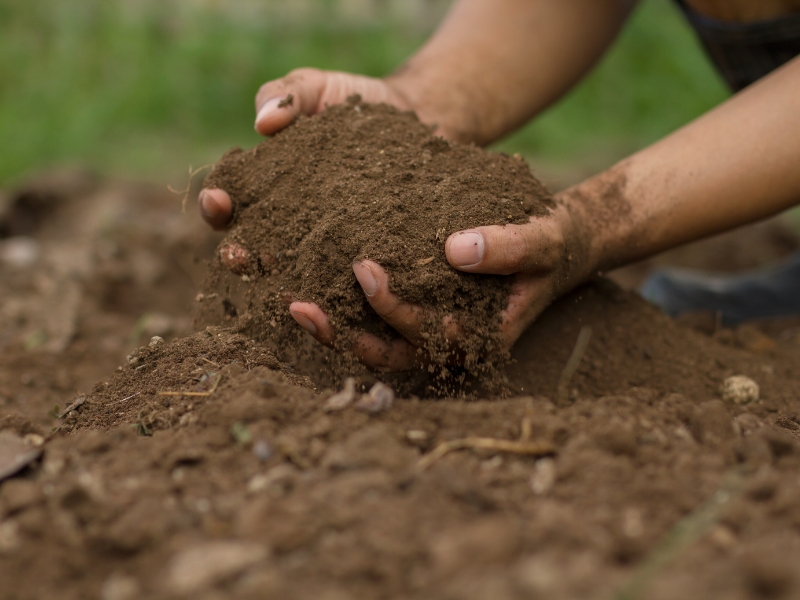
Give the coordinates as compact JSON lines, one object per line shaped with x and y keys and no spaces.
{"x":301,"y":92}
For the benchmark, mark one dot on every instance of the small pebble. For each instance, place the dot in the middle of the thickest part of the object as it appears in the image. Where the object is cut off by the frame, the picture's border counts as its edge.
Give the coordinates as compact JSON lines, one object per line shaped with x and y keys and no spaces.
{"x":235,"y":257}
{"x":740,"y":390}
{"x":343,"y":399}
{"x":544,"y":476}
{"x":378,"y":399}
{"x":262,"y":450}
{"x":33,"y":439}
{"x":155,"y":341}
{"x":19,"y":252}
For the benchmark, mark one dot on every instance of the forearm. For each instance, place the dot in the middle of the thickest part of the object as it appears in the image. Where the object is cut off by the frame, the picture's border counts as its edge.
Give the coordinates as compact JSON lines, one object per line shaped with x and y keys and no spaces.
{"x":737,"y":164}
{"x":492,"y":65}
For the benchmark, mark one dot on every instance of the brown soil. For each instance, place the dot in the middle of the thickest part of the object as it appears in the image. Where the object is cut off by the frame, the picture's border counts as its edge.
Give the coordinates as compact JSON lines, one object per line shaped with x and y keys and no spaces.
{"x":356,"y":182}
{"x":207,"y":467}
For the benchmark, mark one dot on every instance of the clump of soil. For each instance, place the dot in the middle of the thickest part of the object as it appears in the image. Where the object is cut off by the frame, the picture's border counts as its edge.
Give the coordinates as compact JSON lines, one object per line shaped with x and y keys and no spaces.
{"x":363,"y":181}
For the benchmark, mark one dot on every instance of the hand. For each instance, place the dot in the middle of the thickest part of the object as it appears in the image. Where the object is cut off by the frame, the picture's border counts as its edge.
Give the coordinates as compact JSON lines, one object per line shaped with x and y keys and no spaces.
{"x":301,"y":92}
{"x":544,"y":256}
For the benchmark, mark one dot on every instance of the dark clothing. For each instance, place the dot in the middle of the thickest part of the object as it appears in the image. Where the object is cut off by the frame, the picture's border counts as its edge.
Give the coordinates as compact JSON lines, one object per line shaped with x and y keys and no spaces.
{"x":772,"y":292}
{"x":745,"y":52}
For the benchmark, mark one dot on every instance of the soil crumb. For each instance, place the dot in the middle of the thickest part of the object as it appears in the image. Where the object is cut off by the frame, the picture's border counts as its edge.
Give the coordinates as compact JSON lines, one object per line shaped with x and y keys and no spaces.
{"x":362,"y":181}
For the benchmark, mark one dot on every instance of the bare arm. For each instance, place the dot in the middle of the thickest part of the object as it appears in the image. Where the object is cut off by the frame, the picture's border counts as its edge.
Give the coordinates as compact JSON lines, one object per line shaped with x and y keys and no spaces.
{"x":736,"y":164}
{"x":492,"y":65}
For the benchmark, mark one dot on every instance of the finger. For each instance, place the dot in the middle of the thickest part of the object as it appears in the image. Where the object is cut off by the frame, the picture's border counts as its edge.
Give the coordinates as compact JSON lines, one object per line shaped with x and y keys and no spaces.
{"x":279,"y":102}
{"x":394,"y":356}
{"x":311,"y":318}
{"x":397,"y":355}
{"x":406,"y":318}
{"x":215,"y":207}
{"x":505,"y":249}
{"x":529,"y":296}
{"x":307,"y":92}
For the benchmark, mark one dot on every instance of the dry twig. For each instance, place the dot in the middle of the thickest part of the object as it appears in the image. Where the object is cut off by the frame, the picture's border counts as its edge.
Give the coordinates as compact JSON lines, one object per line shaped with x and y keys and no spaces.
{"x":540,"y":448}
{"x":208,"y":393}
{"x":572,"y":364}
{"x":128,"y":398}
{"x":192,"y":173}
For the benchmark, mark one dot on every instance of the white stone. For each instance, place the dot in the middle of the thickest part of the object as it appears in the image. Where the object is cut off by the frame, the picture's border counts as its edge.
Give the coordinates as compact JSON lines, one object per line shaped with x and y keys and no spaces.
{"x":739,"y":389}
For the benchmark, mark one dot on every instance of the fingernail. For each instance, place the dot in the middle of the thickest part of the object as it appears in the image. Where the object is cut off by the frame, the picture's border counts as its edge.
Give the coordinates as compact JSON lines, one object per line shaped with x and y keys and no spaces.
{"x":466,"y":249}
{"x":304,"y":322}
{"x":267,"y":108}
{"x":208,"y":206}
{"x":365,"y":277}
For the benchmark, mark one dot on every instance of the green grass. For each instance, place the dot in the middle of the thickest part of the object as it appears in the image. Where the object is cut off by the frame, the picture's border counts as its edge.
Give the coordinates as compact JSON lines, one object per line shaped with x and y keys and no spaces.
{"x":145,"y":89}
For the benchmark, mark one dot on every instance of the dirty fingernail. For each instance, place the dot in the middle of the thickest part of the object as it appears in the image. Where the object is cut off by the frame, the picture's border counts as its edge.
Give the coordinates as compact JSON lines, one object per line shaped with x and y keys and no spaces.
{"x":304,"y":322}
{"x":268,"y":108}
{"x":365,"y":277}
{"x":466,"y":249}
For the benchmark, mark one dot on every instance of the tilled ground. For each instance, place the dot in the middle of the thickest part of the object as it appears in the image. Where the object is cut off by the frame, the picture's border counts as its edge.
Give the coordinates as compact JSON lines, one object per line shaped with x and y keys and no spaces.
{"x":203,"y":467}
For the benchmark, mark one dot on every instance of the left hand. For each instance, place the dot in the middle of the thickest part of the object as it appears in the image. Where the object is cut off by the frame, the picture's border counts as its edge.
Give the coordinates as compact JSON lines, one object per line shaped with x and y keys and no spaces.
{"x":542,"y":255}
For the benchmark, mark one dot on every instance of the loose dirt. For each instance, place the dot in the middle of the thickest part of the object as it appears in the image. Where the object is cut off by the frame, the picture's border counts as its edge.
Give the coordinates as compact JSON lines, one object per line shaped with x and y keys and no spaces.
{"x":358,"y":182}
{"x":203,"y":464}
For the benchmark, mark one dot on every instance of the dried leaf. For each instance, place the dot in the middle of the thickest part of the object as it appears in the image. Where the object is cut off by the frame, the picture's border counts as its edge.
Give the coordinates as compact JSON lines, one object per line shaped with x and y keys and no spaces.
{"x":15,"y":454}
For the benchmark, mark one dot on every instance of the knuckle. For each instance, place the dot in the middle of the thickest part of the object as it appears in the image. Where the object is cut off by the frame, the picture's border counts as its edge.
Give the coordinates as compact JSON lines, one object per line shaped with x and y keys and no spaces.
{"x":300,"y":75}
{"x":516,"y":252}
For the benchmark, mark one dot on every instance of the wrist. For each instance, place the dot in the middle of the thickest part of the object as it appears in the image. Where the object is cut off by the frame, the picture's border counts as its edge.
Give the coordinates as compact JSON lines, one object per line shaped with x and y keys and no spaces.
{"x":577,"y":264}
{"x":432,"y":103}
{"x":601,"y":217}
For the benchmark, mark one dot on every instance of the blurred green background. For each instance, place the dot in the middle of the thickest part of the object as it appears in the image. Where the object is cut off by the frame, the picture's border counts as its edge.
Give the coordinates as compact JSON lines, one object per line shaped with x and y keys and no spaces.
{"x":146,"y":88}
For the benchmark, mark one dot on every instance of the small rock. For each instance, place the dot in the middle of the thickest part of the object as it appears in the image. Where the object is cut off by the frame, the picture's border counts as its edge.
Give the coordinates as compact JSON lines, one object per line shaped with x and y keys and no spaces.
{"x":544,"y":476}
{"x":155,"y":341}
{"x":19,"y":252}
{"x":418,"y":437}
{"x":15,"y":454}
{"x":208,"y":564}
{"x":33,"y":439}
{"x":235,"y":257}
{"x":378,"y":399}
{"x":722,"y":538}
{"x":262,"y":450}
{"x":343,"y":399}
{"x":739,"y":389}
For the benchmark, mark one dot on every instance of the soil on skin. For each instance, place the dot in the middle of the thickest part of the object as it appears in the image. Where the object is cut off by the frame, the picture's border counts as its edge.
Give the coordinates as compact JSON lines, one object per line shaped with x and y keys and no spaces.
{"x":245,"y":487}
{"x":362,"y":181}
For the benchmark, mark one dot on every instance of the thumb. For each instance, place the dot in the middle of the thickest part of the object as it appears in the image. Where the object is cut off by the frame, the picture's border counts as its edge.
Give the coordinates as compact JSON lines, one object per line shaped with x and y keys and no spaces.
{"x":280,"y":101}
{"x":534,"y":247}
{"x":308,"y":91}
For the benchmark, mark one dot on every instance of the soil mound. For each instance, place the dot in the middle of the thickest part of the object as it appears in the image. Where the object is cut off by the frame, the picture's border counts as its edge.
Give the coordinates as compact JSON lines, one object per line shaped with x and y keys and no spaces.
{"x":204,"y":467}
{"x":365,"y":181}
